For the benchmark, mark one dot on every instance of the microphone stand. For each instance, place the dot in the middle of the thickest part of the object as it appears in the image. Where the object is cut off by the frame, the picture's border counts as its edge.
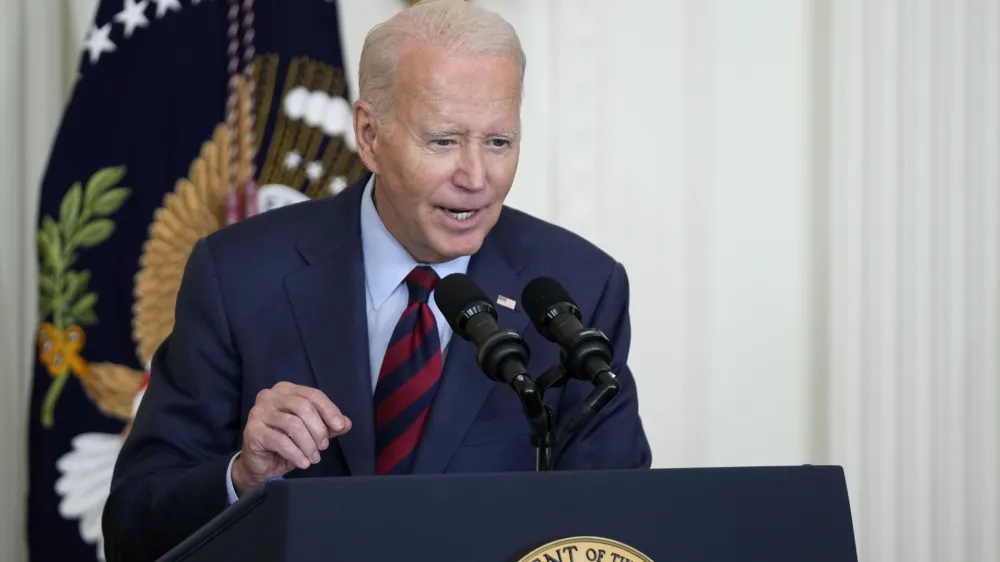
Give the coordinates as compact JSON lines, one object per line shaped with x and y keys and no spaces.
{"x":606,"y":388}
{"x":543,"y":435}
{"x":539,"y":418}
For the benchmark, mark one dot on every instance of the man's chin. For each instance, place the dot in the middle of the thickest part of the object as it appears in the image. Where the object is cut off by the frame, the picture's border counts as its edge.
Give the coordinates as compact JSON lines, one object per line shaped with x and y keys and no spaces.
{"x":457,"y":247}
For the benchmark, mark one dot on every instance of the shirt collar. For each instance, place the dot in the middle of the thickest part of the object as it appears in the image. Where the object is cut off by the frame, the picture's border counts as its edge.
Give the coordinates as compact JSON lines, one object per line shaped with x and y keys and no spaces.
{"x":387,"y":263}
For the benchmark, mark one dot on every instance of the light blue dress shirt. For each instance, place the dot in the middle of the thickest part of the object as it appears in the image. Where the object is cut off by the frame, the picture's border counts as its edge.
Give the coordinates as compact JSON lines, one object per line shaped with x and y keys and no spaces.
{"x":387,"y":264}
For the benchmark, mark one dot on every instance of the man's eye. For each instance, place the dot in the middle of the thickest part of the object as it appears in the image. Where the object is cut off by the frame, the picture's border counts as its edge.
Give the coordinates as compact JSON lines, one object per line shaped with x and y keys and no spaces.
{"x":500,"y":143}
{"x":443,"y":142}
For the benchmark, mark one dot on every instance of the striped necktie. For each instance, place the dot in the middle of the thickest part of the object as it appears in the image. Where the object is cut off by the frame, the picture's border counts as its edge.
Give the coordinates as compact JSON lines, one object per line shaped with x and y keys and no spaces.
{"x":408,"y":379}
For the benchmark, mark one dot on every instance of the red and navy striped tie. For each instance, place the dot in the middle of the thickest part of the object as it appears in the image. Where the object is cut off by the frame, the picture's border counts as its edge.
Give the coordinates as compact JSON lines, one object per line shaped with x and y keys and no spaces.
{"x":409,"y":378}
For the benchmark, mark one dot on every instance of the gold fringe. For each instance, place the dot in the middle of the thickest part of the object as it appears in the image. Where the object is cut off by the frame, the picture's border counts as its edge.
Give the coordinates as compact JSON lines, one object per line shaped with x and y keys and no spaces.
{"x":265,"y":75}
{"x":317,"y":187}
{"x":310,"y":137}
{"x":280,"y":143}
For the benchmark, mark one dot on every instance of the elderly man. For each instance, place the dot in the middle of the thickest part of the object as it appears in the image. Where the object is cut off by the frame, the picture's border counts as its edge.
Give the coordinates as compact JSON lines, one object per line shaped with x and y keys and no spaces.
{"x":306,"y":342}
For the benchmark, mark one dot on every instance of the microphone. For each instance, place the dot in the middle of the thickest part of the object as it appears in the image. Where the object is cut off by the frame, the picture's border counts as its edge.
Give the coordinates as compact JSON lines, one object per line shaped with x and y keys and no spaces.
{"x":501,"y":354}
{"x":586,"y":352}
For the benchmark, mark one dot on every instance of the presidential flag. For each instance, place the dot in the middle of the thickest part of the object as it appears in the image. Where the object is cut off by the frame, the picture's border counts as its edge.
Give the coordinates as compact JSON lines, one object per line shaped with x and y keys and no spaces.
{"x":186,"y":115}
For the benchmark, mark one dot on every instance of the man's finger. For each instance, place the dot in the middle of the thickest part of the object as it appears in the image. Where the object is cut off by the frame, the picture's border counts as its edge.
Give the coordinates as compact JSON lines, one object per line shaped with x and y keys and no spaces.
{"x":310,"y":416}
{"x":280,"y":444}
{"x":293,"y":426}
{"x":336,"y":422}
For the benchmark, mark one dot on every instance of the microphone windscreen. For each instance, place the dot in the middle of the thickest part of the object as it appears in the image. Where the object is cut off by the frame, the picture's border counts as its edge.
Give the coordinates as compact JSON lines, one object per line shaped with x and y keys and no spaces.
{"x":454,"y":293}
{"x":540,"y":294}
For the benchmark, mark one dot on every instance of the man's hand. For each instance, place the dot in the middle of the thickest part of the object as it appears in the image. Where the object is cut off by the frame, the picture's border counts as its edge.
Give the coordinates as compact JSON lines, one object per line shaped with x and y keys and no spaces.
{"x":287,"y":428}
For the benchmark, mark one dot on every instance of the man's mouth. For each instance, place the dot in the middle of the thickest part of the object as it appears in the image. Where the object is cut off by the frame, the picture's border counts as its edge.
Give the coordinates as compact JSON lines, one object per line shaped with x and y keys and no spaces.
{"x":460,"y":214}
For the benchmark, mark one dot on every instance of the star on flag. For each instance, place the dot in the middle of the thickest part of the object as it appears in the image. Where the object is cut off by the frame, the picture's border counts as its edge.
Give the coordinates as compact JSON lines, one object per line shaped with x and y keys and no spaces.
{"x":292,"y":160}
{"x":338,"y":184}
{"x":133,"y":16}
{"x":314,"y":170}
{"x":98,"y":42}
{"x":163,"y":5}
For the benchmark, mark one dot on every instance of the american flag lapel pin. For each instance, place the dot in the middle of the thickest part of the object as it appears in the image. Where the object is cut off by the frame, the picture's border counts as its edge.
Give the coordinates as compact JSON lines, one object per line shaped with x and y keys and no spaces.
{"x":506,"y":302}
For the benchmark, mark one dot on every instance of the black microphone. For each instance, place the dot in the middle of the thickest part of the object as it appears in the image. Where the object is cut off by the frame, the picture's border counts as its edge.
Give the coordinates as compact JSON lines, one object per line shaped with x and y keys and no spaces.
{"x":501,"y":354}
{"x":586,"y":352}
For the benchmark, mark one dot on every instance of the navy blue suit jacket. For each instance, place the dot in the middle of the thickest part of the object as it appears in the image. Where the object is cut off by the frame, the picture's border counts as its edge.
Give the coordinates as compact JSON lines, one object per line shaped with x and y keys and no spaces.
{"x":280,"y":297}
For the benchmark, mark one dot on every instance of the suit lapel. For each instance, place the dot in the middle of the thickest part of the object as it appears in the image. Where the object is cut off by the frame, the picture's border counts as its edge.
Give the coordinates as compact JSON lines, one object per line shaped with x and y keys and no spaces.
{"x":464,"y":387}
{"x":327,"y":297}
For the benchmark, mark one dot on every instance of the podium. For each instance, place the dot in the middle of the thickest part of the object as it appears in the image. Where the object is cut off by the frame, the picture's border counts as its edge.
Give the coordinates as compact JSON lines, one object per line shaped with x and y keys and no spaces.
{"x":772,"y":514}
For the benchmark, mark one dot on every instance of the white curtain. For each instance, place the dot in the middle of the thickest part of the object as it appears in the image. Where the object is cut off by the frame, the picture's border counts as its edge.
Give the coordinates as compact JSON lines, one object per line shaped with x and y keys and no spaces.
{"x":912,"y":89}
{"x":39,"y":46}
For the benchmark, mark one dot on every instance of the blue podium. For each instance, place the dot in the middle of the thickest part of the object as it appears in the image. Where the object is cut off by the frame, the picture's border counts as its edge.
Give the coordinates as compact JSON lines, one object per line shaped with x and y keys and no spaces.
{"x":772,"y":514}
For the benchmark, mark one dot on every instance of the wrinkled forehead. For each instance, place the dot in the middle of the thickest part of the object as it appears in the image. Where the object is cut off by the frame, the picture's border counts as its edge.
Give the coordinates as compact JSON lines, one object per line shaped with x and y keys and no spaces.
{"x":433,"y":79}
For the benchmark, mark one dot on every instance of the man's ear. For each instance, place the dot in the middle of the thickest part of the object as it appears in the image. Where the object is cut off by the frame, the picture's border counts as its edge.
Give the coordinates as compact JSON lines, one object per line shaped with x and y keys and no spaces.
{"x":366,"y":134}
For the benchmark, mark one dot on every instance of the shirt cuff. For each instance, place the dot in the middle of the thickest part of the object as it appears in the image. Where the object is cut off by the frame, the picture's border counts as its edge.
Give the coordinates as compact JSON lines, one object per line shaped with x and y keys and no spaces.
{"x":229,"y":480}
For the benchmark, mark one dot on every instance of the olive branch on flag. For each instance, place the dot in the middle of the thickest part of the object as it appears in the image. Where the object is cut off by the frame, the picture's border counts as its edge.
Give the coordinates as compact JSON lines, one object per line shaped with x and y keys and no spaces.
{"x":62,"y":291}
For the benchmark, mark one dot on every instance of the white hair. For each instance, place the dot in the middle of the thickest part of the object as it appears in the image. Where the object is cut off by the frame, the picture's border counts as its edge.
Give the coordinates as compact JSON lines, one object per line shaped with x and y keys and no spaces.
{"x":456,"y":25}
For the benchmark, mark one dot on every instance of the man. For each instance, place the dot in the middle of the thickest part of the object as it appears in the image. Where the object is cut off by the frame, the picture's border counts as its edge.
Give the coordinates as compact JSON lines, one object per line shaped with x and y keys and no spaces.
{"x":306,"y":340}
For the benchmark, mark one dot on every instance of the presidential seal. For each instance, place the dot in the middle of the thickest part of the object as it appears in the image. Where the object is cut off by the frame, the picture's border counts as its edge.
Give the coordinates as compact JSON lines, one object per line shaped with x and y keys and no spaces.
{"x":589,"y":549}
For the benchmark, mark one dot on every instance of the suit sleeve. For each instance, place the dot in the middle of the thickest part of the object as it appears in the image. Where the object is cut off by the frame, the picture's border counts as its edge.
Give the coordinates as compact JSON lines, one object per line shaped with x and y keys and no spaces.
{"x":615,"y":438}
{"x":170,"y":477}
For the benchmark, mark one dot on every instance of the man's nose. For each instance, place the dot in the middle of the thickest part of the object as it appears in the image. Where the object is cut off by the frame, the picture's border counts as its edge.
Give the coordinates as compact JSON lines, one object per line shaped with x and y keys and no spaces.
{"x":471,"y":173}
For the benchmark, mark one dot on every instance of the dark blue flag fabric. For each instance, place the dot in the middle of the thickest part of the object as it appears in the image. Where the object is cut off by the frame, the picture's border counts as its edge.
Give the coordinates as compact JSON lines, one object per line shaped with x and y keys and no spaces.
{"x":186,"y":115}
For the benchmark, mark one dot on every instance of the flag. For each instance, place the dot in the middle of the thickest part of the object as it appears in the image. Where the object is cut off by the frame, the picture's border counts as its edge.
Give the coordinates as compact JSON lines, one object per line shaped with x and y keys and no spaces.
{"x":186,"y":115}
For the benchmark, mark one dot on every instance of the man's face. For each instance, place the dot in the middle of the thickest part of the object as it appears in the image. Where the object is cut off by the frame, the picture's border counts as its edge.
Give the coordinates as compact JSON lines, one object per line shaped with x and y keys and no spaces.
{"x":445,"y":160}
